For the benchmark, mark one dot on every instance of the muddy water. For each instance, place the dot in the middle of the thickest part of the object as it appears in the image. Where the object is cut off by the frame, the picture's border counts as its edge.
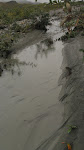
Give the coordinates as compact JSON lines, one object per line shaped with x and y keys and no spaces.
{"x":30,"y":112}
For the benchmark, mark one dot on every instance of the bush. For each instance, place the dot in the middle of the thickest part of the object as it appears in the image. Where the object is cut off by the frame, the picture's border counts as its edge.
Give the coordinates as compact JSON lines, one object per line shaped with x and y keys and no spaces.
{"x":43,"y":22}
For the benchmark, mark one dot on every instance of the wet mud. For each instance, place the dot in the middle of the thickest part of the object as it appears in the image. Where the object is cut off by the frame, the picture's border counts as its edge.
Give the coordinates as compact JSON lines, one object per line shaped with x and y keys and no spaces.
{"x":72,"y":95}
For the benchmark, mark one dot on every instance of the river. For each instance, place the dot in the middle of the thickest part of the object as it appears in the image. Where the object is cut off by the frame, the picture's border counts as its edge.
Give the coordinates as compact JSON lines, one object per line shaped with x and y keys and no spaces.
{"x":30,"y":111}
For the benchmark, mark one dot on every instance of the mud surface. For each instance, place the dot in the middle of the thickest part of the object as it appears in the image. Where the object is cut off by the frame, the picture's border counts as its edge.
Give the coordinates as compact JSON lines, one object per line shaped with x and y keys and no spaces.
{"x":72,"y":95}
{"x":30,"y":112}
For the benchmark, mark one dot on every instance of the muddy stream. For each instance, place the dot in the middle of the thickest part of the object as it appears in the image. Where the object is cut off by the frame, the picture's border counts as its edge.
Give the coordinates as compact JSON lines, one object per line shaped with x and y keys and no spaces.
{"x":30,"y":111}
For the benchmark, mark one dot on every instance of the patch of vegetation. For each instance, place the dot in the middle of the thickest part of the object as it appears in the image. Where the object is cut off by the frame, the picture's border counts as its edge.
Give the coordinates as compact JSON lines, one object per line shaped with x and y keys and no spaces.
{"x":43,"y":22}
{"x":16,"y":27}
{"x":71,"y":128}
{"x":74,"y":22}
{"x":73,"y":33}
{"x":6,"y":42}
{"x":81,"y":50}
{"x":24,"y":11}
{"x":68,"y":35}
{"x":77,"y":29}
{"x":26,"y":28}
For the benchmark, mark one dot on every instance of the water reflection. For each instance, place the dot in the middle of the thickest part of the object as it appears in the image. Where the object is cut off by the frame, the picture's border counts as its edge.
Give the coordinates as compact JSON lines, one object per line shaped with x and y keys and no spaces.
{"x":44,"y":47}
{"x":11,"y":65}
{"x":31,"y":54}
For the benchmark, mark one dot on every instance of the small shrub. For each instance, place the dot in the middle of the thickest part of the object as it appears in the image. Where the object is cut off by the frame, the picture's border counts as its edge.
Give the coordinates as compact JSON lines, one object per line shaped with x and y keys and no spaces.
{"x":26,"y":28}
{"x":16,"y":27}
{"x":43,"y":22}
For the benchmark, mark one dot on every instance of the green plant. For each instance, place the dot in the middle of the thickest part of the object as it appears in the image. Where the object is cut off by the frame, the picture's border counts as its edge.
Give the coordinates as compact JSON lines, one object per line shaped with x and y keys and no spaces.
{"x":81,"y":50}
{"x":71,"y":128}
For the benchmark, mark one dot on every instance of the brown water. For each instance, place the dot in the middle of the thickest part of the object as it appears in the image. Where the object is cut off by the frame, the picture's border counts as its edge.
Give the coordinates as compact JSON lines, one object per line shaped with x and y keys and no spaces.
{"x":30,"y":112}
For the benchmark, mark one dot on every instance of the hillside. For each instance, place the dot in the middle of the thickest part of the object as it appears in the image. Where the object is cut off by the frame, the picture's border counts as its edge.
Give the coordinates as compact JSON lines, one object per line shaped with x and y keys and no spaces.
{"x":8,"y":4}
{"x":23,"y":1}
{"x":11,"y":2}
{"x":17,"y":1}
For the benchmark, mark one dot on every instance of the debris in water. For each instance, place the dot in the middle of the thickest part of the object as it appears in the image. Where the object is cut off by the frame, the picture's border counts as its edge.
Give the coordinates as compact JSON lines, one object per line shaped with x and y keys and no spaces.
{"x":69,"y":147}
{"x":71,"y":128}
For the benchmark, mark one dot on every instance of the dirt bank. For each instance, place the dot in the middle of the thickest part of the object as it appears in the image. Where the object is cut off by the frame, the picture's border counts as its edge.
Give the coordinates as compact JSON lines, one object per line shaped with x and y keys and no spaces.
{"x":72,"y":95}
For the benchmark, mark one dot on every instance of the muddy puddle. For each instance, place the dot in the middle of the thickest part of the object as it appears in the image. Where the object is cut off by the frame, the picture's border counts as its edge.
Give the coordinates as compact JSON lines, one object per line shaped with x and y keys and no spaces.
{"x":30,"y":112}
